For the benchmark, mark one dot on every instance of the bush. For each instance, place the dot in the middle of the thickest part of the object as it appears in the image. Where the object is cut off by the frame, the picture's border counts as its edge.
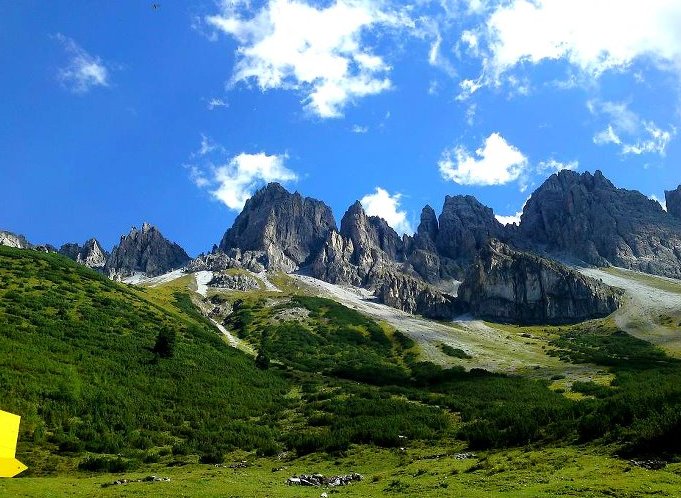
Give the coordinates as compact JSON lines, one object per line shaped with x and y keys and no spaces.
{"x":165,"y":343}
{"x":103,"y":463}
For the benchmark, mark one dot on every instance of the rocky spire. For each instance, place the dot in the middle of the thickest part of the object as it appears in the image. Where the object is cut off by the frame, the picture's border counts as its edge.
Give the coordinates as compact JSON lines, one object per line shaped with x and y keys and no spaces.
{"x":145,"y":251}
{"x":287,"y":228}
{"x":673,"y":199}
{"x":586,"y":217}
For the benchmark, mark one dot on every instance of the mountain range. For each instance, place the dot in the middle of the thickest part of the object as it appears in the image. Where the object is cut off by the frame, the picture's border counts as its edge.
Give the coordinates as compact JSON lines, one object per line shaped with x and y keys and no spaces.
{"x":509,"y":272}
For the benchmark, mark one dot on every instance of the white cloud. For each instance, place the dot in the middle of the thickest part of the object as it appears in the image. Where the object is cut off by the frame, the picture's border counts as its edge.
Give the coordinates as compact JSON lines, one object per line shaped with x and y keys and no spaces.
{"x":232,"y":181}
{"x":215,"y":103}
{"x":510,"y":219}
{"x":290,"y":44}
{"x":642,"y":136}
{"x":593,"y":35}
{"x":495,"y":163}
{"x":553,"y":166}
{"x":359,"y":129}
{"x":607,"y":136}
{"x":387,"y":206}
{"x":83,"y":71}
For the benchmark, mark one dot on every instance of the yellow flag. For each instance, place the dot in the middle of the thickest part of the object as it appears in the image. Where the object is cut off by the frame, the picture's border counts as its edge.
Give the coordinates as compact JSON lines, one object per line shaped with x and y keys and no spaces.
{"x":9,"y":433}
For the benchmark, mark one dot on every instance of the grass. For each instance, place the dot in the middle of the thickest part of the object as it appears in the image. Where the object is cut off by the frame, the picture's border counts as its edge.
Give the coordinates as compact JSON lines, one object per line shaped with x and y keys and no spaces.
{"x":343,"y":393}
{"x":419,"y":471}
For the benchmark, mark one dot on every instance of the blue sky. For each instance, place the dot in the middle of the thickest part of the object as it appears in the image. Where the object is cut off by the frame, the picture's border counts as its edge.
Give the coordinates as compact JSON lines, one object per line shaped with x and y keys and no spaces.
{"x":116,"y":113}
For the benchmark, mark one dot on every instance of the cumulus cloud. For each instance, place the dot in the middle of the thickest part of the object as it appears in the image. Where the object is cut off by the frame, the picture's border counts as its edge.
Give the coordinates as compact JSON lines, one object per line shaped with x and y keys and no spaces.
{"x":510,"y":219}
{"x":553,"y":166}
{"x":233,"y":180}
{"x":496,"y":162}
{"x":319,"y":51}
{"x":628,"y":130}
{"x":387,"y":206}
{"x":594,"y":35}
{"x":83,"y":71}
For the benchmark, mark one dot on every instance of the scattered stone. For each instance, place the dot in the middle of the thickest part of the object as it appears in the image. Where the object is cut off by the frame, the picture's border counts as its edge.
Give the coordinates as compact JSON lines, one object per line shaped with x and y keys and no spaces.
{"x":120,"y":482}
{"x":320,"y":480}
{"x":464,"y":456}
{"x":239,"y":465}
{"x":649,"y":464}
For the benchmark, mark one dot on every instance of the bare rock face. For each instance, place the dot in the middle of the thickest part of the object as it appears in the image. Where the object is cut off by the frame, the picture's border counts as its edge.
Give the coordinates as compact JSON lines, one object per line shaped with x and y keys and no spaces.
{"x":90,"y":254}
{"x":10,"y":239}
{"x":234,"y":258}
{"x":239,"y":281}
{"x":587,"y":217}
{"x":464,"y":227}
{"x":413,"y":295}
{"x":368,"y":253}
{"x":145,"y":251}
{"x":673,"y":199}
{"x":287,"y":228}
{"x":442,"y":249}
{"x":512,"y":286}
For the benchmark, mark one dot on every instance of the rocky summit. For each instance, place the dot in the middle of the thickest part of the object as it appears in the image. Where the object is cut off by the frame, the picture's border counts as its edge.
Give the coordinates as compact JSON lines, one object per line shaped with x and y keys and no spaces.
{"x":12,"y":240}
{"x":673,"y":201}
{"x":146,"y":251}
{"x":285,"y":230}
{"x":513,"y":286}
{"x":585,"y":216}
{"x":89,"y":254}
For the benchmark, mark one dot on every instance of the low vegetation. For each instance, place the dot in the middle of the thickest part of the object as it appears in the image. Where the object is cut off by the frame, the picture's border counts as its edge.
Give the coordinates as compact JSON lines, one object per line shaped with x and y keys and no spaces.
{"x":113,"y":378}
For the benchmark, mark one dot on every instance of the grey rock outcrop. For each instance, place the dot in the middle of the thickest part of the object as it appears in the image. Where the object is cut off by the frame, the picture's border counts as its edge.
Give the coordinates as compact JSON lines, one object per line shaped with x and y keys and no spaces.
{"x":288,"y":229}
{"x":238,"y":281}
{"x":464,"y":227}
{"x":512,"y":286}
{"x":254,"y":261}
{"x":146,"y":251}
{"x":585,"y":216}
{"x":89,"y":254}
{"x":673,"y":200}
{"x":368,"y":253}
{"x":10,"y":239}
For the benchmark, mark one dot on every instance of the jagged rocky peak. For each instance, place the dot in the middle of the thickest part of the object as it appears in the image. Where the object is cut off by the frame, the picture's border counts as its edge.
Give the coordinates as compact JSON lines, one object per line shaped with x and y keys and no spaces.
{"x":288,"y":229}
{"x":673,"y":199}
{"x":465,"y":226}
{"x":586,"y":217}
{"x":146,"y":251}
{"x":369,"y":233}
{"x":428,"y":225}
{"x":10,"y":239}
{"x":90,"y":254}
{"x":519,"y":287}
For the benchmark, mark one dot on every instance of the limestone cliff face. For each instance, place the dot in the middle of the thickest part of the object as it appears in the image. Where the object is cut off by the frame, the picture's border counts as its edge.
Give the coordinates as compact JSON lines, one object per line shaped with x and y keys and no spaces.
{"x":90,"y":254}
{"x":443,"y":248}
{"x":512,"y":286}
{"x":673,"y":199}
{"x":286,"y":228}
{"x":10,"y":239}
{"x":587,"y":217}
{"x":368,"y":253}
{"x":145,"y":251}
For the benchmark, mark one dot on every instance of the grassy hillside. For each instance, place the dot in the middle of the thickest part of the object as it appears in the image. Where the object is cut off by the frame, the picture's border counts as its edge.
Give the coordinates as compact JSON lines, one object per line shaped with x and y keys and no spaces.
{"x":110,"y":377}
{"x":76,"y":362}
